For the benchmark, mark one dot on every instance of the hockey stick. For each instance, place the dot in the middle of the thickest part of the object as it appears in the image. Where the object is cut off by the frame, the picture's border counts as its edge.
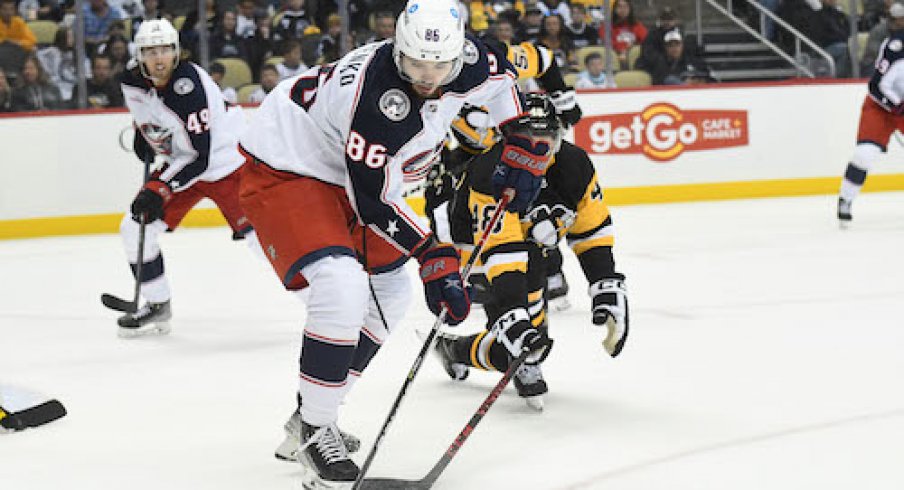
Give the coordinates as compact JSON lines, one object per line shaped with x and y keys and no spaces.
{"x":431,"y":477}
{"x":507,"y":196}
{"x":119,"y":304}
{"x":35,"y":416}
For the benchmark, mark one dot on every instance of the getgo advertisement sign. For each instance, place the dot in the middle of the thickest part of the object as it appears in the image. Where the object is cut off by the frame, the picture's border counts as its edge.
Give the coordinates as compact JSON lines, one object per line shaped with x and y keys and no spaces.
{"x":662,"y":132}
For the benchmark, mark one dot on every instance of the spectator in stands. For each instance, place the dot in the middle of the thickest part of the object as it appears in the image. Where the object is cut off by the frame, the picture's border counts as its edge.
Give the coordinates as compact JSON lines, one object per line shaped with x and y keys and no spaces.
{"x":153,"y":9}
{"x":225,"y":41}
{"x":293,"y":22}
{"x":503,"y":29}
{"x":653,"y":49}
{"x":260,"y":46}
{"x":831,"y":30}
{"x":893,"y":21}
{"x":329,"y":42}
{"x":291,"y":64}
{"x":678,"y":66}
{"x":874,"y":11}
{"x":269,"y":80}
{"x":99,"y":15}
{"x":58,"y":61}
{"x":626,"y":30}
{"x":529,"y":28}
{"x":103,"y":91}
{"x":554,"y":36}
{"x":13,"y":28}
{"x":117,"y":49}
{"x":384,"y":27}
{"x":593,"y":75}
{"x":131,"y":8}
{"x":245,"y":23}
{"x":5,"y":92}
{"x":581,"y":32}
{"x":41,"y":10}
{"x":33,"y":91}
{"x":217,"y":72}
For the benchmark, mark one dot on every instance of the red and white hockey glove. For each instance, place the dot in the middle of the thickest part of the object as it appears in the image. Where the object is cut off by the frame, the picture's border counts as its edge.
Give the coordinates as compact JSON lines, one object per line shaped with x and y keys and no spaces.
{"x":443,"y":285}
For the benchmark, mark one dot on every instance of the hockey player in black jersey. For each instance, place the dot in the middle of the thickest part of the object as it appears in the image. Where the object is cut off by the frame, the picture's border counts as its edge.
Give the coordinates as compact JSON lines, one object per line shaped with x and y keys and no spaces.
{"x":535,"y":63}
{"x":570,"y":206}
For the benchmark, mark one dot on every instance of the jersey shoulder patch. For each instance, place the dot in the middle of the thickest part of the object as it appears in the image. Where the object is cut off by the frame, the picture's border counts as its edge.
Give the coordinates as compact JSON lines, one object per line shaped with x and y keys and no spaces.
{"x":387,"y":110}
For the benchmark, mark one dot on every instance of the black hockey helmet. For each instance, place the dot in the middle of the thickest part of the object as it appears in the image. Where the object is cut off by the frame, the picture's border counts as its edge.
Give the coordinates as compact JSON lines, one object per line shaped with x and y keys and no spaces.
{"x":538,"y":121}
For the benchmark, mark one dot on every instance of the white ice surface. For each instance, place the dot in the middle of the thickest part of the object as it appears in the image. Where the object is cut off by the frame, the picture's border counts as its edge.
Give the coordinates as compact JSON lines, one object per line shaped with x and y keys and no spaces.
{"x":766,"y":352}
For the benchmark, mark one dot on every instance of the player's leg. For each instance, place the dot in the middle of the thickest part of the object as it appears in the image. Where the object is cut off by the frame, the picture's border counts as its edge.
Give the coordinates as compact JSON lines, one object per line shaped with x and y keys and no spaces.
{"x":154,"y":315}
{"x":876,"y":126}
{"x":336,"y":307}
{"x":301,"y":224}
{"x":556,"y":285}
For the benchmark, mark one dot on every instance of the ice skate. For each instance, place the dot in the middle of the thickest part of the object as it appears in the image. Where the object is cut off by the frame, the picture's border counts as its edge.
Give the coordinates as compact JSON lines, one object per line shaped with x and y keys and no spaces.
{"x":445,"y":344}
{"x":150,"y":319}
{"x":288,"y":448}
{"x":325,"y":458}
{"x":529,"y":382}
{"x":557,"y":292}
{"x":844,"y":212}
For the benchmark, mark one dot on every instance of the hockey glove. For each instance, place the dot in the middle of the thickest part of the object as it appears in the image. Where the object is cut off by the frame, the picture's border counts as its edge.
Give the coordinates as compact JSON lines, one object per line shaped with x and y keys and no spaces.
{"x":566,"y":107}
{"x":609,"y":299}
{"x":443,"y":285}
{"x":514,"y":330}
{"x":549,"y":224}
{"x":150,"y":200}
{"x":521,"y":168}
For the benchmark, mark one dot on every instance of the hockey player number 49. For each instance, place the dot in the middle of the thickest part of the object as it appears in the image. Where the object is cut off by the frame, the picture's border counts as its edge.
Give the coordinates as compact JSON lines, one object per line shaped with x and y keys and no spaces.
{"x":198,"y":122}
{"x":359,"y":150}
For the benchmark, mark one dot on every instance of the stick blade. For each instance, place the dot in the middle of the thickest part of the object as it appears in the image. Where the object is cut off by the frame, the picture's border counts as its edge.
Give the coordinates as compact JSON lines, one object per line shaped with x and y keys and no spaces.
{"x":118,"y":304}
{"x":35,"y":416}
{"x":392,"y":484}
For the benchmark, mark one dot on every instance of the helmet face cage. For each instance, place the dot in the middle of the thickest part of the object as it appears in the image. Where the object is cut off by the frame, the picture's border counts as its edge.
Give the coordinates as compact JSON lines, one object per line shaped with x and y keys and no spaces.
{"x":541,"y":120}
{"x":430,"y":30}
{"x":156,"y":32}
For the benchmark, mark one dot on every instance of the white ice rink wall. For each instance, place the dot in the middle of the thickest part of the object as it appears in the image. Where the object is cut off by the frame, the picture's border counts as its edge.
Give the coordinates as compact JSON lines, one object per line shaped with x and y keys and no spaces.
{"x":69,"y":174}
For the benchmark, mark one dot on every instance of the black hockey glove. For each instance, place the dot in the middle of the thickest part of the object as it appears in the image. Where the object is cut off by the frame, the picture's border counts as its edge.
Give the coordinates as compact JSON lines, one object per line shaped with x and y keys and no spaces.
{"x":150,"y":201}
{"x":443,"y":285}
{"x":514,"y":330}
{"x":549,"y":224}
{"x":566,"y":107}
{"x":609,"y":299}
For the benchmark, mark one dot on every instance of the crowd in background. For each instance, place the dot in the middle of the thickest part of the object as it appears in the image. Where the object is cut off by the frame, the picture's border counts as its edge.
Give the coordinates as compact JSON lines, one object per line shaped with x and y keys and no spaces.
{"x":277,"y":39}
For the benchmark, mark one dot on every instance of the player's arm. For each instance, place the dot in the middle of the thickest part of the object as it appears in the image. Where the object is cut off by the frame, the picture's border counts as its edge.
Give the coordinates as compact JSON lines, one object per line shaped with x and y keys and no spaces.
{"x":891,"y":79}
{"x":591,"y":238}
{"x":191,"y":142}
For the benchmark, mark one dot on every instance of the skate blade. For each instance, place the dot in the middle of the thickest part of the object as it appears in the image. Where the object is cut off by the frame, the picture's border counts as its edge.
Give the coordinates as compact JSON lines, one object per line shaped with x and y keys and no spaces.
{"x":311,"y":481}
{"x":844,"y":224}
{"x":287,"y":450}
{"x":559,"y":304}
{"x":535,"y":402}
{"x":160,"y":328}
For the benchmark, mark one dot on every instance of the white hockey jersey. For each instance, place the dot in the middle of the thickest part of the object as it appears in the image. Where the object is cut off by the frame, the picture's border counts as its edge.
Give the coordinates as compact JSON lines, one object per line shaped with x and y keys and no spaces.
{"x":187,"y":122}
{"x":355,"y":123}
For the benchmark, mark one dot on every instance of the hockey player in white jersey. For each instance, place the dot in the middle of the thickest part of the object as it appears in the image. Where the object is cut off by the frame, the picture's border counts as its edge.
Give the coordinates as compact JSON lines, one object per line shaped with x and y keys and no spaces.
{"x":326,"y":157}
{"x":881,"y":115}
{"x":180,"y":115}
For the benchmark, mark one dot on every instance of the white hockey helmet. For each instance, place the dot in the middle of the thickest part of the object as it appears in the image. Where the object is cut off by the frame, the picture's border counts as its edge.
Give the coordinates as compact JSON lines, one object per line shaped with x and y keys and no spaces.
{"x":156,"y":32}
{"x":430,"y":30}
